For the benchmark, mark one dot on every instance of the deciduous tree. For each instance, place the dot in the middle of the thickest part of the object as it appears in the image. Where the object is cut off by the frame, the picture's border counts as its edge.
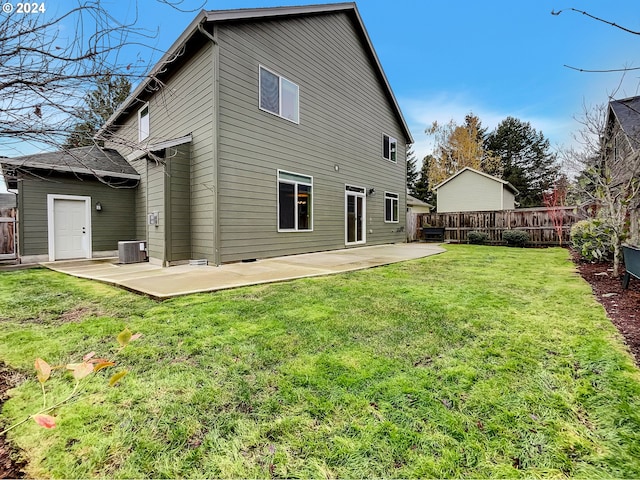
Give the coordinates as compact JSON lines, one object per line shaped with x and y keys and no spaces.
{"x":457,"y":147}
{"x":612,"y":183}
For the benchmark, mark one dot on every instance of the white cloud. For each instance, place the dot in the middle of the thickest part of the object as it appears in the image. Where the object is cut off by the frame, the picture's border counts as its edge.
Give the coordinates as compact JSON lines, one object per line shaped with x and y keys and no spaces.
{"x":444,"y":107}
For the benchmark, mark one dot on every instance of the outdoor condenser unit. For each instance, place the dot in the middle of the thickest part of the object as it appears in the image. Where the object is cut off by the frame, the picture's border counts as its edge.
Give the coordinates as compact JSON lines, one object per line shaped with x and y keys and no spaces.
{"x":132,"y":251}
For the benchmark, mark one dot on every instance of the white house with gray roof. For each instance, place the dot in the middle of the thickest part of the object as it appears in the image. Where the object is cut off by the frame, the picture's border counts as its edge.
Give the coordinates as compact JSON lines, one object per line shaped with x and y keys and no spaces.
{"x":470,"y":190}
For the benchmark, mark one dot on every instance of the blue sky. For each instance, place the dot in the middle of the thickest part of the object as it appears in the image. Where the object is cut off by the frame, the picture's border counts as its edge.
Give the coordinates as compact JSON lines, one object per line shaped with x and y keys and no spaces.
{"x":445,"y":59}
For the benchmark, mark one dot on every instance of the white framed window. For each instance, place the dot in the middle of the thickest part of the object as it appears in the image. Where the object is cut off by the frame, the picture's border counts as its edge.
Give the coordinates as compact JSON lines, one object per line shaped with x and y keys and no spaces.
{"x":279,"y":95}
{"x":295,"y":206}
{"x":143,"y":123}
{"x":389,"y":148}
{"x":391,"y":207}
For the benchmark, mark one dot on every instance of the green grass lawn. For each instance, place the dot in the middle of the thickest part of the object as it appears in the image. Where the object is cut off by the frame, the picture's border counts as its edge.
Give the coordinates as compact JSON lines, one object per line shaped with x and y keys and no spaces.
{"x":480,"y":362}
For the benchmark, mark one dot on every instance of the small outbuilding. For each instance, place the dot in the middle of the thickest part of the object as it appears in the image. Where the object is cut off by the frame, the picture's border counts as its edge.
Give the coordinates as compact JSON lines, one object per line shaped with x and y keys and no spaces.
{"x":76,"y":203}
{"x":470,"y":190}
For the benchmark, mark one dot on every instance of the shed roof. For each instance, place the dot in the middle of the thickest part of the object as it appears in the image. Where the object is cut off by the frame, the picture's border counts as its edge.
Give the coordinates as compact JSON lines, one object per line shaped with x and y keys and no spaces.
{"x":499,"y":180}
{"x":411,"y":200}
{"x":258,"y":14}
{"x":92,"y":160}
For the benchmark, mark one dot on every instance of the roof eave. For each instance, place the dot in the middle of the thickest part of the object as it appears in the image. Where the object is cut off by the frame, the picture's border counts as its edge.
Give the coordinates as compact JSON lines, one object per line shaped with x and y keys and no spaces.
{"x":177,"y":45}
{"x":67,"y":169}
{"x":213,"y":16}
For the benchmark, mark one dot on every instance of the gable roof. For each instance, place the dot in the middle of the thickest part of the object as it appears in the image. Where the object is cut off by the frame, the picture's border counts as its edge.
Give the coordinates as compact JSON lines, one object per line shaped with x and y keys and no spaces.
{"x":91,"y":160}
{"x":499,"y":180}
{"x":627,"y":113}
{"x":259,"y":14}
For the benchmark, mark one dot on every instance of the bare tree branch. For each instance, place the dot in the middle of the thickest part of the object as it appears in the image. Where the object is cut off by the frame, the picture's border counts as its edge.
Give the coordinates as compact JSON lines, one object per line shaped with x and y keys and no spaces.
{"x":634,"y":32}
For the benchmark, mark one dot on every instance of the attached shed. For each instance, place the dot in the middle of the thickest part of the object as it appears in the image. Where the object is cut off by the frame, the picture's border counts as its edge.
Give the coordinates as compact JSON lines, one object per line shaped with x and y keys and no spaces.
{"x":470,"y":190}
{"x":76,"y":203}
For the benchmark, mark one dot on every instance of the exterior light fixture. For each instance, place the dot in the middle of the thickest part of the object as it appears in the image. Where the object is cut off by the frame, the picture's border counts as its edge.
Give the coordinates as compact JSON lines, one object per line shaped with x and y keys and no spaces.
{"x":98,"y":207}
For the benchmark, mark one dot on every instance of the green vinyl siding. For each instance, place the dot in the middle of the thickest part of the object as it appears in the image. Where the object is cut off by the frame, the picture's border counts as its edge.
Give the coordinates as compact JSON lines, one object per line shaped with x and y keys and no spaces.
{"x":178,"y":200}
{"x":237,"y":148}
{"x":343,"y":113}
{"x":155,"y":204}
{"x":114,"y":223}
{"x":184,"y":106}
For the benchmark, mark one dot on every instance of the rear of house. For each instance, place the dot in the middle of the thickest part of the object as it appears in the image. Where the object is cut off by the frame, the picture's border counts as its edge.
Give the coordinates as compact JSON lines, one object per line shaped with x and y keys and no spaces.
{"x":275,"y":132}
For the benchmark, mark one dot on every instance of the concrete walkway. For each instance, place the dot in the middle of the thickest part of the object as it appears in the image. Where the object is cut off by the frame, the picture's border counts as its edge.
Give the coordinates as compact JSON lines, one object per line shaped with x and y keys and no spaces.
{"x":162,"y":283}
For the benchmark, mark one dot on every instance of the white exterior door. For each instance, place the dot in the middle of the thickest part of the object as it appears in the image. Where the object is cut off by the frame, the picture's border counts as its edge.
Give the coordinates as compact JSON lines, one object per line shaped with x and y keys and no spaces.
{"x":355,"y":215}
{"x":69,"y":227}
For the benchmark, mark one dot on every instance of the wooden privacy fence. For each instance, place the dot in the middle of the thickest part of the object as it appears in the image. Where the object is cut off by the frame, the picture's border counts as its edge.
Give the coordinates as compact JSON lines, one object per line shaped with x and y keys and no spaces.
{"x":537,"y":222}
{"x":7,"y":233}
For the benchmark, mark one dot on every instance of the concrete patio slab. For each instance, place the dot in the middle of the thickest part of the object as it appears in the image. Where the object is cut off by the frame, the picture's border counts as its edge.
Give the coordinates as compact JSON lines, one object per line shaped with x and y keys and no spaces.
{"x":162,"y":283}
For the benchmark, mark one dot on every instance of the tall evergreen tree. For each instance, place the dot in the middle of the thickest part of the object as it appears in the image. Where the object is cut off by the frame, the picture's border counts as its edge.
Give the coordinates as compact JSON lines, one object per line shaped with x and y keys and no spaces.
{"x":110,"y":92}
{"x":412,"y":171}
{"x":526,"y":161}
{"x":422,"y":190}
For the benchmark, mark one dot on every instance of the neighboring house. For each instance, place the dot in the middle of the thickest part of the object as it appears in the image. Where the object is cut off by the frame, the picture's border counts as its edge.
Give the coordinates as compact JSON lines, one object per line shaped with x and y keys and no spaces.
{"x":472,"y":191}
{"x":265,"y":132}
{"x":415,"y":207}
{"x":72,"y":204}
{"x":622,"y":150}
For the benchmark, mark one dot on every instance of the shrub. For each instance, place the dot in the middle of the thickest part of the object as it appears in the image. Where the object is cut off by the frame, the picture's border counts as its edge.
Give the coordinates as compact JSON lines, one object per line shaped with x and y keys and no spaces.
{"x":515,"y":238}
{"x":592,"y":239}
{"x":478,"y":238}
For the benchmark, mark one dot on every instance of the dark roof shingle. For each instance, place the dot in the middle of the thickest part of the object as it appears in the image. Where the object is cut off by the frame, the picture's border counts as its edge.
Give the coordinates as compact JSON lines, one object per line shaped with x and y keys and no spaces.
{"x":91,"y":160}
{"x":627,"y":113}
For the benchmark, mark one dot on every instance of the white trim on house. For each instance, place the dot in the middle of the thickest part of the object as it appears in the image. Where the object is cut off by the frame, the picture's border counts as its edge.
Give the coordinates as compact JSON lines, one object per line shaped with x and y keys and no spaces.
{"x":295,"y":183}
{"x":51,"y":228}
{"x":395,"y":198}
{"x":393,"y":148}
{"x":282,"y":82}
{"x":144,"y":130}
{"x":357,"y":192}
{"x":174,"y":142}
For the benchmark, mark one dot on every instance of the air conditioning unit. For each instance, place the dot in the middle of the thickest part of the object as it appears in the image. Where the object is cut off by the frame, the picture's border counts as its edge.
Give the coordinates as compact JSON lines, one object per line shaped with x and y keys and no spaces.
{"x":132,"y":251}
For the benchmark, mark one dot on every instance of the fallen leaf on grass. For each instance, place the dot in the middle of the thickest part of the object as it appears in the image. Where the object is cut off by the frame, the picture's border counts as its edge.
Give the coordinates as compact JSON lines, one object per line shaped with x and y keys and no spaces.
{"x":43,"y":369}
{"x":117,"y":377}
{"x":46,"y":421}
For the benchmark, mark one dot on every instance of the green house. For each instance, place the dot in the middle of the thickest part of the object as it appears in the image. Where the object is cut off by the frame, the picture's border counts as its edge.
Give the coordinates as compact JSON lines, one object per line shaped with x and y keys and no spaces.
{"x":261,"y":133}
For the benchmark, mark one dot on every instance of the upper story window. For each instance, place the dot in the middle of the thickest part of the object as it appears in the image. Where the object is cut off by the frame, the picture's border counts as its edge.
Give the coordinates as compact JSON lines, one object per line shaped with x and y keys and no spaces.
{"x":279,"y":95}
{"x":391,"y":207}
{"x":617,"y":147}
{"x":294,"y":202}
{"x":143,"y":123}
{"x":389,"y":148}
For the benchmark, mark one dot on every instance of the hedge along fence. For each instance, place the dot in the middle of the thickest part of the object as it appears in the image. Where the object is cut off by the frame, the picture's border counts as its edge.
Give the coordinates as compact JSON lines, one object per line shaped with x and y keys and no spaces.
{"x":537,"y":222}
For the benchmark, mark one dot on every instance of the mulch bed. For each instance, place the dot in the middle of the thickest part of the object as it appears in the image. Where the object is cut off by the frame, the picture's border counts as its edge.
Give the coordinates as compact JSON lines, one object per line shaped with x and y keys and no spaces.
{"x":622,"y":306}
{"x":10,"y":466}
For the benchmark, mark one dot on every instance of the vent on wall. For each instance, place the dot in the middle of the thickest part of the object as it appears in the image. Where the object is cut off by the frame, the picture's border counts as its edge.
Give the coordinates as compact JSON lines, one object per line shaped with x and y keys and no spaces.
{"x":132,"y":251}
